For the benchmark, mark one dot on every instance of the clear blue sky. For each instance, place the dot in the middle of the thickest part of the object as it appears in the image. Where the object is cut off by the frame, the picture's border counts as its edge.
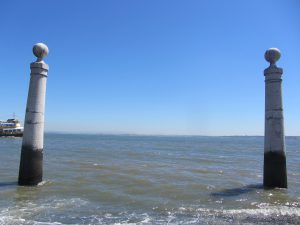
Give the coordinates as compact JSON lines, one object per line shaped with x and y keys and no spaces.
{"x":152,"y":67}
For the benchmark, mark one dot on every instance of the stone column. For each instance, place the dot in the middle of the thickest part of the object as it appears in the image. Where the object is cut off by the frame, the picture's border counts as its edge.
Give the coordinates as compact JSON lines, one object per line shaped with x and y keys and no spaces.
{"x":31,"y":164}
{"x":274,"y":147}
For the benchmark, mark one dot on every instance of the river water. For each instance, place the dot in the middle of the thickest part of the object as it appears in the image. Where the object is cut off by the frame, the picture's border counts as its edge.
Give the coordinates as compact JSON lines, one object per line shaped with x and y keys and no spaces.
{"x":126,"y":179}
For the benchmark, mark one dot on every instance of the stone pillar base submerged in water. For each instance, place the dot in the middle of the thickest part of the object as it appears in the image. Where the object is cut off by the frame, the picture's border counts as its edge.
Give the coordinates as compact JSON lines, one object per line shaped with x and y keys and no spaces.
{"x":31,"y":164}
{"x":275,"y":174}
{"x":275,"y":170}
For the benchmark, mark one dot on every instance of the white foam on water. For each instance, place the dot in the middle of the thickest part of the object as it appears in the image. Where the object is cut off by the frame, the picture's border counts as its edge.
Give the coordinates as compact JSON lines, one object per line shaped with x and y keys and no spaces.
{"x":44,"y":182}
{"x":147,"y":219}
{"x":7,"y":220}
{"x":264,"y":213}
{"x":24,"y":213}
{"x":270,"y":215}
{"x":124,"y":223}
{"x":43,"y":223}
{"x":210,"y":187}
{"x":269,"y":211}
{"x":124,"y":218}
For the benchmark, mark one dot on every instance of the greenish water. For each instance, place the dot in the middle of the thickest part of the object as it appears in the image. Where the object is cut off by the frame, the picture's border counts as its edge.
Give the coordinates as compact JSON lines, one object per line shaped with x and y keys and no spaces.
{"x":119,"y":179}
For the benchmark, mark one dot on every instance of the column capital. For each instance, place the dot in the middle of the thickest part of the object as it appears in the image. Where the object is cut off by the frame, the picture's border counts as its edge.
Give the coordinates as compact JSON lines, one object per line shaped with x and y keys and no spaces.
{"x":41,"y":65}
{"x":39,"y":69}
{"x":273,"y":69}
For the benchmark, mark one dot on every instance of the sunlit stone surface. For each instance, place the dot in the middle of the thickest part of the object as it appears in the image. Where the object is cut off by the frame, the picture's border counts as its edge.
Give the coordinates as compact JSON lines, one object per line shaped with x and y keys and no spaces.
{"x":274,"y":146}
{"x":31,"y":165}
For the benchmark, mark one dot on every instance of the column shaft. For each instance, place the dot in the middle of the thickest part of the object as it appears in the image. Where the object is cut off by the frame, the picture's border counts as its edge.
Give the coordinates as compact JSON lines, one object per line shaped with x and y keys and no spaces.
{"x":274,"y":144}
{"x":31,"y":164}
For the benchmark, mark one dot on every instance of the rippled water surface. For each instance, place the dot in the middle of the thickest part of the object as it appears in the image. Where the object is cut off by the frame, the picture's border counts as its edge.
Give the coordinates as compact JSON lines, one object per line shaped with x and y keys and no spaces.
{"x":119,"y":179}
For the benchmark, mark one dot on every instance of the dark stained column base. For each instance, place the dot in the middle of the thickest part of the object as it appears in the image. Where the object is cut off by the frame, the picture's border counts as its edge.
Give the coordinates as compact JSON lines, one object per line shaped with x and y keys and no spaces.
{"x":275,"y":170}
{"x":31,"y":166}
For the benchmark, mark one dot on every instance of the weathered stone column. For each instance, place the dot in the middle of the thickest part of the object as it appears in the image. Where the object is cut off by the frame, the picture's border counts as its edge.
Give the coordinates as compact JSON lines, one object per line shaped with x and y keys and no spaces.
{"x":31,"y":164}
{"x":274,"y":150}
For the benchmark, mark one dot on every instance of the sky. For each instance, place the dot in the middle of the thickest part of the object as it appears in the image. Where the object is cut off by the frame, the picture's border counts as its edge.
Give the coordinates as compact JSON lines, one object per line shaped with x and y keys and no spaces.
{"x":165,"y":67}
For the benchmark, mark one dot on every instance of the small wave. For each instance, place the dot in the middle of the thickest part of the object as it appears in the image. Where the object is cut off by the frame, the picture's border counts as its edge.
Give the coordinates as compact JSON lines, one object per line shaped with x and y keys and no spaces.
{"x":183,"y":215}
{"x":265,"y":215}
{"x":43,"y":183}
{"x":269,"y":211}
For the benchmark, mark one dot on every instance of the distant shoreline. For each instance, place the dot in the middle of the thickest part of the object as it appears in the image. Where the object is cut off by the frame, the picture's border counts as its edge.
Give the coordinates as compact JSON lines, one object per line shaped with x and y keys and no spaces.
{"x":152,"y":135}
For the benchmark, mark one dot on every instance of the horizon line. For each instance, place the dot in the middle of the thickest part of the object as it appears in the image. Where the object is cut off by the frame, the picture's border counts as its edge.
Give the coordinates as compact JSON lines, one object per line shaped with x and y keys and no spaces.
{"x":170,"y":135}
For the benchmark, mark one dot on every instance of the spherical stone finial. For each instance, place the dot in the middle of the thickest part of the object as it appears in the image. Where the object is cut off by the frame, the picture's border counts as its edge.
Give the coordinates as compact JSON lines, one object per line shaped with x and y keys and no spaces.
{"x":272,"y":55}
{"x":40,"y":50}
